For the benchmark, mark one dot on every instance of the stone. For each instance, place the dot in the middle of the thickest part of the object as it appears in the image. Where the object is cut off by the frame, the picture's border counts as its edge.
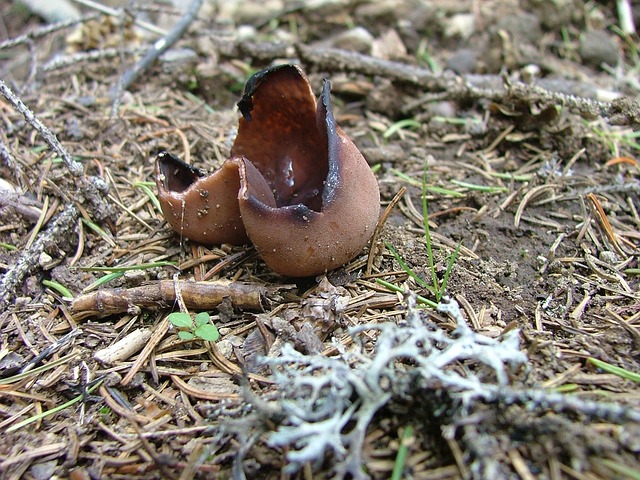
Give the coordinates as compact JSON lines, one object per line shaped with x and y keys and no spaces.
{"x":598,"y":47}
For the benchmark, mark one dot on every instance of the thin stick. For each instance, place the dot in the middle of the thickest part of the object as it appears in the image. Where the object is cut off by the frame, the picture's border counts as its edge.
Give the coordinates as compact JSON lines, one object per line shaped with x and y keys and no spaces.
{"x":196,"y":295}
{"x":12,"y":164}
{"x":62,"y":226}
{"x":157,"y":335}
{"x":115,"y":13}
{"x":41,"y":32}
{"x":74,"y":167}
{"x":455,"y":86}
{"x":158,"y":48}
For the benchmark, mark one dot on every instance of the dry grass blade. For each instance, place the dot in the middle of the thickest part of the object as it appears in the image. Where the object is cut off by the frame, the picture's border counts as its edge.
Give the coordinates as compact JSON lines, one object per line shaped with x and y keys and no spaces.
{"x":204,"y":395}
{"x":603,"y":222}
{"x":528,"y":197}
{"x":383,"y":218}
{"x":159,"y":332}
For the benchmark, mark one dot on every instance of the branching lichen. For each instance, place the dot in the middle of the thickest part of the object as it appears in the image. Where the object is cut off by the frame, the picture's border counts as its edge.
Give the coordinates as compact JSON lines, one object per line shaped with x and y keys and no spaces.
{"x":324,"y":405}
{"x":330,"y":401}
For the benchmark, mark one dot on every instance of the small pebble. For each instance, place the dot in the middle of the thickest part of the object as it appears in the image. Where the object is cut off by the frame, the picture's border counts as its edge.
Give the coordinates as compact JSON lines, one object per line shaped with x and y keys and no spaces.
{"x":384,"y":153}
{"x":463,"y":61}
{"x":461,"y":25}
{"x":356,"y":39}
{"x":44,"y":260}
{"x":389,"y":46}
{"x":598,"y":47}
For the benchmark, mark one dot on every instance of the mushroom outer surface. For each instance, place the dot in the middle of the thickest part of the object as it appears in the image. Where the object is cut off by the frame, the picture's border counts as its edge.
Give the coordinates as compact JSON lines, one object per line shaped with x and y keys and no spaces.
{"x":295,"y":186}
{"x":328,"y":212}
{"x":204,"y":209}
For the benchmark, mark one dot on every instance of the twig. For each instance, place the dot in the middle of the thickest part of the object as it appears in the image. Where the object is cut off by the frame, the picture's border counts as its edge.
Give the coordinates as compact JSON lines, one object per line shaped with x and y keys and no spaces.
{"x":338,"y":59}
{"x":158,"y":334}
{"x":59,"y":62}
{"x":11,"y":163}
{"x":91,"y":192}
{"x":92,"y":189}
{"x":41,"y":32}
{"x":115,"y":13}
{"x":457,"y":87}
{"x":74,"y":167}
{"x":158,"y":48}
{"x":61,"y":227}
{"x":445,"y":86}
{"x":162,"y":294}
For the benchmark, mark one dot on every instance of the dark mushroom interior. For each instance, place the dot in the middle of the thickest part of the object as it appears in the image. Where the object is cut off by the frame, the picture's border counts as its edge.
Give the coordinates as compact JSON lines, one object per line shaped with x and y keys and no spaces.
{"x":176,"y":175}
{"x":281,"y":137}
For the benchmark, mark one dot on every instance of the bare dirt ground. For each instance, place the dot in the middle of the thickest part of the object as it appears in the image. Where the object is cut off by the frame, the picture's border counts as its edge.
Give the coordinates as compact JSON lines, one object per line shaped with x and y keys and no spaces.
{"x":520,"y":116}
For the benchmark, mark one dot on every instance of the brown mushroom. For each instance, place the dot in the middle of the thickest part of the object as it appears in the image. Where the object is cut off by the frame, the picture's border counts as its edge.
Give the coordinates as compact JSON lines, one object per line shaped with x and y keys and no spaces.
{"x":295,"y":184}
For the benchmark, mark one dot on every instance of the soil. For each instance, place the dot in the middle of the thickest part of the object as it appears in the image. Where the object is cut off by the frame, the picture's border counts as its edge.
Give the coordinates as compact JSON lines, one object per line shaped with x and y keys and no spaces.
{"x":540,"y":199}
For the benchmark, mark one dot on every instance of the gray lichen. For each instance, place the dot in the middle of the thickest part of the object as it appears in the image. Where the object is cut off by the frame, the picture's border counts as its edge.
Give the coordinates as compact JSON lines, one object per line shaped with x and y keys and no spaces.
{"x":329,"y":402}
{"x":323,"y":406}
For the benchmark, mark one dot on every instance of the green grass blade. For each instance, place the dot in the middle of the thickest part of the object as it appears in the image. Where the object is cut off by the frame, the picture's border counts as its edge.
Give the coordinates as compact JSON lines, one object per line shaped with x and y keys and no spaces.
{"x":620,"y":469}
{"x":621,"y":372}
{"x":406,"y":267}
{"x":452,"y":260}
{"x":102,"y":280}
{"x":430,"y":188}
{"x":427,"y":234}
{"x":140,"y":266}
{"x":399,"y":125}
{"x":61,"y":289}
{"x":479,"y":188}
{"x":96,"y":228}
{"x":152,"y":196}
{"x":53,"y":411}
{"x":403,"y":452}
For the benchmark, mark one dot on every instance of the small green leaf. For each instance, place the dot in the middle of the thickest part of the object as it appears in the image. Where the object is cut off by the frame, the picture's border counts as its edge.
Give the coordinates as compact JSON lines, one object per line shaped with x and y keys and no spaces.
{"x":180,"y":320}
{"x":184,"y":335}
{"x":207,"y":332}
{"x":202,"y":319}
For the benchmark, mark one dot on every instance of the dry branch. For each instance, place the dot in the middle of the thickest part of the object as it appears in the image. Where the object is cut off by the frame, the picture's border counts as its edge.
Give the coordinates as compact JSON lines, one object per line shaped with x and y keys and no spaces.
{"x":491,"y":87}
{"x":61,"y":227}
{"x":159,"y":47}
{"x":44,"y":31}
{"x":91,"y":189}
{"x":162,"y":294}
{"x":446,"y":85}
{"x":91,"y":192}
